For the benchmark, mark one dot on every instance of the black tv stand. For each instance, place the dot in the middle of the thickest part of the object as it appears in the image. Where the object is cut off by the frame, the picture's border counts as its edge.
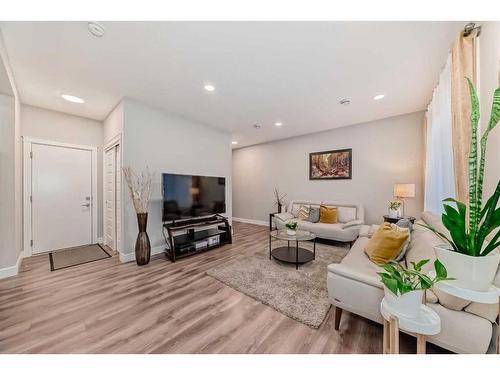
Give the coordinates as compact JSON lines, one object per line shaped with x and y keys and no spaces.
{"x":183,"y":245}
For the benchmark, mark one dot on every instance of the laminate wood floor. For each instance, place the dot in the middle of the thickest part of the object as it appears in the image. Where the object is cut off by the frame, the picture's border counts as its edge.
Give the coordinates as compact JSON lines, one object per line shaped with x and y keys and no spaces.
{"x":112,"y":307}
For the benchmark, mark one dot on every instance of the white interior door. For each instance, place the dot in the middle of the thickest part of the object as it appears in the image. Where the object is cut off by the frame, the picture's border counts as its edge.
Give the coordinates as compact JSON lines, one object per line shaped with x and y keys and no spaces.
{"x":61,"y":190}
{"x":110,"y":198}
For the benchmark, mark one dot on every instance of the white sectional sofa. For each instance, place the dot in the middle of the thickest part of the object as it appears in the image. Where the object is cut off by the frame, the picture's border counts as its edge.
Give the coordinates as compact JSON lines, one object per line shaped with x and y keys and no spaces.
{"x":354,"y":285}
{"x":350,"y":216}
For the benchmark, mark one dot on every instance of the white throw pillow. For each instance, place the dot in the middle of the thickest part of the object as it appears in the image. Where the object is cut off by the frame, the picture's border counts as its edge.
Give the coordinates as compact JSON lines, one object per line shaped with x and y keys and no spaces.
{"x":346,"y":214}
{"x":295,"y":210}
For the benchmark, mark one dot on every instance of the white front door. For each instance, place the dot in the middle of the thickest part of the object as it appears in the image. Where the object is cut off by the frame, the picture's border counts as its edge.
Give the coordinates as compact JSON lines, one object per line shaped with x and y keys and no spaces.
{"x":110,"y":198}
{"x":61,"y":190}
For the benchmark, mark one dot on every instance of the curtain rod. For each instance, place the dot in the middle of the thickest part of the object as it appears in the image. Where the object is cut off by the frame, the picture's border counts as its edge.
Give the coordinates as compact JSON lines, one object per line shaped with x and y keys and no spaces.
{"x":470,"y":27}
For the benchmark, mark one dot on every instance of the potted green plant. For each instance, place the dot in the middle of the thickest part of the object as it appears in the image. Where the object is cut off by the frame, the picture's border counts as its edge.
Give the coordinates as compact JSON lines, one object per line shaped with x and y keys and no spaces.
{"x":291,"y":228}
{"x":394,"y":209}
{"x":404,"y":287}
{"x":467,"y":255}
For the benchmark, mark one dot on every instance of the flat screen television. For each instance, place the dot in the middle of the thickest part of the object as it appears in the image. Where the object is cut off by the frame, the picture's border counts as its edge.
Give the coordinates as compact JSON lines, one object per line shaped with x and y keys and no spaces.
{"x":187,"y":196}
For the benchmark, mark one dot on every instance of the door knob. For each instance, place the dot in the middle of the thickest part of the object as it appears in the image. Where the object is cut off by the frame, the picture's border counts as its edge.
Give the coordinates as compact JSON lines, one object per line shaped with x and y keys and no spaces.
{"x":86,"y":205}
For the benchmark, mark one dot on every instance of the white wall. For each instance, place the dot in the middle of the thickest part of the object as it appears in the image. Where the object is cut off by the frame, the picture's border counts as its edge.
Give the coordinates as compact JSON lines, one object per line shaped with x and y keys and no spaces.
{"x":60,"y":127}
{"x":489,"y":80}
{"x":168,"y":144}
{"x":8,"y":255}
{"x":11,"y":235}
{"x":384,"y":152}
{"x":113,"y":124}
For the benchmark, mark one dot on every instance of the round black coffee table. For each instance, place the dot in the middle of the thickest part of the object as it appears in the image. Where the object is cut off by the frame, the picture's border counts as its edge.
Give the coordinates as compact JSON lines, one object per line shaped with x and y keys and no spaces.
{"x":292,"y":254}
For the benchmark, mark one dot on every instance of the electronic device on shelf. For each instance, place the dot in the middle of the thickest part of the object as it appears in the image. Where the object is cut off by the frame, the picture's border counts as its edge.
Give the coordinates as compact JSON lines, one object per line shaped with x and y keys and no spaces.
{"x":189,"y":196}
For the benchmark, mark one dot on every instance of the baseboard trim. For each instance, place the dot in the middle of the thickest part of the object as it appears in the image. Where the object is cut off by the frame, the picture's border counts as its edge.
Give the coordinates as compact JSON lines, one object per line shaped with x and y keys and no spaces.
{"x":251,"y":221}
{"x":12,"y":270}
{"x":130,"y":257}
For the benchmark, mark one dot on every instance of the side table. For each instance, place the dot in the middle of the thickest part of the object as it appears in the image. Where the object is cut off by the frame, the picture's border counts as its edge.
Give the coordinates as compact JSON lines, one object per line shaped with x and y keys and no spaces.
{"x":425,"y":324}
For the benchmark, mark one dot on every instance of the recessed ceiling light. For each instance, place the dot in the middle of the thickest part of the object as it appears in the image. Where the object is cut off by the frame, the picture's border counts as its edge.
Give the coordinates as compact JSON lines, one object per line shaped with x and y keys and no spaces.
{"x":345,"y":102}
{"x":96,"y":29}
{"x":234,"y":142}
{"x":378,"y":97}
{"x":72,"y":98}
{"x":278,"y":123}
{"x":209,"y":87}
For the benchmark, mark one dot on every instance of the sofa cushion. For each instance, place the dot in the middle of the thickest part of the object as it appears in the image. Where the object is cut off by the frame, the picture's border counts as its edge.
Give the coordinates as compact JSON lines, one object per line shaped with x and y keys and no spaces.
{"x":422,"y":247}
{"x":303,"y":212}
{"x":386,"y":244}
{"x":314,"y":214}
{"x":484,"y":310}
{"x":284,"y":216}
{"x":330,"y":231}
{"x":449,"y":301}
{"x":357,"y":266}
{"x":295,"y":209}
{"x":461,"y":332}
{"x":346,"y":214}
{"x":328,"y":215}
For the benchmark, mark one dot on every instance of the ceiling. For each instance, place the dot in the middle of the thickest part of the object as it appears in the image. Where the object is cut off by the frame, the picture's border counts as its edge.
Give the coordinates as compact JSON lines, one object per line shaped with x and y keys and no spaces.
{"x":264,"y":72}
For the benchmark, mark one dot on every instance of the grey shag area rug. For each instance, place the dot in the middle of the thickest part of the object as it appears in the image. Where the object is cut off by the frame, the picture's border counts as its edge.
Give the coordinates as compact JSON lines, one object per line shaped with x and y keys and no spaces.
{"x":299,"y":294}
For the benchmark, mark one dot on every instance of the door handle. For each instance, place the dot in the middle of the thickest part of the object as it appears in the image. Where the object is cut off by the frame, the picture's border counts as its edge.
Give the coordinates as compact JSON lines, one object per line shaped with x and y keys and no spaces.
{"x":86,"y":205}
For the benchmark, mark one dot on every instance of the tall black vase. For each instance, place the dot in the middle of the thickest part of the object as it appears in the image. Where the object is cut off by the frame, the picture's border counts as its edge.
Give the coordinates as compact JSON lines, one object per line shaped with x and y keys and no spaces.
{"x":142,"y":245}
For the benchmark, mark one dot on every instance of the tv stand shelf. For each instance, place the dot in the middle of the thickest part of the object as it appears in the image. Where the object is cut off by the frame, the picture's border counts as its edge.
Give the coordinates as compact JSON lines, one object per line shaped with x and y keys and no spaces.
{"x":194,"y":242}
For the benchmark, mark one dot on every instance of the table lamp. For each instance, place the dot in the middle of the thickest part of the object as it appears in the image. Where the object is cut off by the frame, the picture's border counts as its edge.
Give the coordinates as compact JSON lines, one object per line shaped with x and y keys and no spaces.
{"x":402,"y":191}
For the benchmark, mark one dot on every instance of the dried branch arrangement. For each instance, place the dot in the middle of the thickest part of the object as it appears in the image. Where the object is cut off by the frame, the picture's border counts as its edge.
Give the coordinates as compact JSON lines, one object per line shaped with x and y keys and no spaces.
{"x":279,"y":199}
{"x":139,"y":187}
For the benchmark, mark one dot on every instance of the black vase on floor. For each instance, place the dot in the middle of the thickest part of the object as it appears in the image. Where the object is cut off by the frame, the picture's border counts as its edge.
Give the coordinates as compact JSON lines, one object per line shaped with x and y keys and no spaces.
{"x":142,"y":245}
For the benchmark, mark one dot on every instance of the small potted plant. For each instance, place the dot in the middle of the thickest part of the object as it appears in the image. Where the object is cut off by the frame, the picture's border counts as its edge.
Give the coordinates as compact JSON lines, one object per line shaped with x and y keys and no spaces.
{"x":404,"y":287}
{"x":291,"y":228}
{"x":468,"y":253}
{"x":394,"y":209}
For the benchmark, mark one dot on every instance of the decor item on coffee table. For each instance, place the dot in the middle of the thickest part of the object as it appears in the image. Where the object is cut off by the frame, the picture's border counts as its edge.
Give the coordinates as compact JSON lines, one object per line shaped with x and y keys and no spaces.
{"x":140,"y":192}
{"x":469,"y":255}
{"x":330,"y":165}
{"x":299,"y":294}
{"x":427,"y":322}
{"x":292,"y":254}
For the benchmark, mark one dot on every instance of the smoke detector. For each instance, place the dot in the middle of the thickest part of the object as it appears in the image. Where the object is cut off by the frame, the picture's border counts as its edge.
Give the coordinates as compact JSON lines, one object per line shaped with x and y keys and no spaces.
{"x":256,"y":126}
{"x":345,"y":102}
{"x":96,"y":29}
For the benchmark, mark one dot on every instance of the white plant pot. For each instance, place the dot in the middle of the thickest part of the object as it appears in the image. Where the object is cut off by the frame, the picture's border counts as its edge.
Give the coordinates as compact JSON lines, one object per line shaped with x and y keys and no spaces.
{"x":407,"y":305}
{"x":291,"y":232}
{"x":474,"y":273}
{"x":393,"y":214}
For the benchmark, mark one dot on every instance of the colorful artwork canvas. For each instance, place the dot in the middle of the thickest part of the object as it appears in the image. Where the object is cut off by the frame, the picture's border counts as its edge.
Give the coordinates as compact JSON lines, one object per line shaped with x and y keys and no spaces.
{"x":330,"y":165}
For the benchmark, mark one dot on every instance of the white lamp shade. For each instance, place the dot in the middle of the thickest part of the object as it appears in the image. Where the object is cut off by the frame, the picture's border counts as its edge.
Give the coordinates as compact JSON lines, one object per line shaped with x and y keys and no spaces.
{"x":404,"y":190}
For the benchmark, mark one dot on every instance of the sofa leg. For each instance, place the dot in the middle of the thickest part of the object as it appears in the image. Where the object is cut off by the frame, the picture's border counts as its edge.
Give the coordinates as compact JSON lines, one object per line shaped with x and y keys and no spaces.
{"x":338,"y":315}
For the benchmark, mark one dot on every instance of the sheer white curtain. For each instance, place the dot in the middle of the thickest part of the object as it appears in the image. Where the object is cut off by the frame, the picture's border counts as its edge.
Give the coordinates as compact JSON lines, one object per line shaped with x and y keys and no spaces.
{"x":439,"y":175}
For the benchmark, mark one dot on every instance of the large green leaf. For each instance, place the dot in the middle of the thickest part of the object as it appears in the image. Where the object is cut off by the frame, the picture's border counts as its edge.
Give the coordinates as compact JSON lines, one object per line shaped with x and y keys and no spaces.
{"x":440,"y":269}
{"x":491,"y":219}
{"x":455,"y":223}
{"x":473,"y":203}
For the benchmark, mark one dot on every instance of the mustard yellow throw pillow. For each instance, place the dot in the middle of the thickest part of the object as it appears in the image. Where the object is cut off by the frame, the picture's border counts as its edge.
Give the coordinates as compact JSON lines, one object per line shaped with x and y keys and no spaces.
{"x":385,"y":244}
{"x":328,"y":215}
